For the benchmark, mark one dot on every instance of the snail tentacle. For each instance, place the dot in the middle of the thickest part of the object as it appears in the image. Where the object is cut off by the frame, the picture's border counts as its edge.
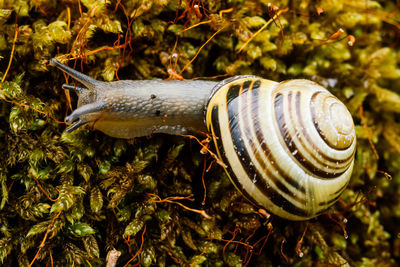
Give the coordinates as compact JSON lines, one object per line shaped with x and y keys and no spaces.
{"x":86,"y":110}
{"x":73,"y":88}
{"x":84,"y":79}
{"x":75,"y":126}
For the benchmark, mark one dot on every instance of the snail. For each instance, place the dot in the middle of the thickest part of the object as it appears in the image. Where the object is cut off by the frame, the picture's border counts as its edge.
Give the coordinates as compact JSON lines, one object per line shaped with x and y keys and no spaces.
{"x":289,"y":147}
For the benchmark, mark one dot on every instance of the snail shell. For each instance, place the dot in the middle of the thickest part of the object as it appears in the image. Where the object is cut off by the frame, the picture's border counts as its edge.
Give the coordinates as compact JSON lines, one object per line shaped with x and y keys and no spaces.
{"x":289,"y":146}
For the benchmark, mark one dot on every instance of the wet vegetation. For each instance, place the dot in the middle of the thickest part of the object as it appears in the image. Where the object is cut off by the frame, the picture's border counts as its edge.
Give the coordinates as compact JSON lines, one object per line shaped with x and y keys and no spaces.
{"x":72,"y":199}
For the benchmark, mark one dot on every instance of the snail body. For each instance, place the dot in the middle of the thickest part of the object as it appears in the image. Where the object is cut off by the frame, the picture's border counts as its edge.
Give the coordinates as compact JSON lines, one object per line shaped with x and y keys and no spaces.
{"x":289,"y":147}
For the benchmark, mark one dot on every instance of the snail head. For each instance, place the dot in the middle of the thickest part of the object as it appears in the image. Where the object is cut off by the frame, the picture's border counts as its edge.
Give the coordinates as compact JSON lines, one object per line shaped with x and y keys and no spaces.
{"x":89,"y":104}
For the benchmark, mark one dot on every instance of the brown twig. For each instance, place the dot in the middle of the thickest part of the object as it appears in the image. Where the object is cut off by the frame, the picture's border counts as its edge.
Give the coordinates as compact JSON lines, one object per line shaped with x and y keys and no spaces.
{"x":41,"y":188}
{"x":263,"y":27}
{"x":12,"y":53}
{"x":45,"y":237}
{"x":172,"y":200}
{"x":204,"y":251}
{"x":140,"y":248}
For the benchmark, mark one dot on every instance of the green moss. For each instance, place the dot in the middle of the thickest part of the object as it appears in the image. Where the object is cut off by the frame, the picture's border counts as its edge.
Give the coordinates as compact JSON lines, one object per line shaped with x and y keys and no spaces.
{"x":83,"y":194}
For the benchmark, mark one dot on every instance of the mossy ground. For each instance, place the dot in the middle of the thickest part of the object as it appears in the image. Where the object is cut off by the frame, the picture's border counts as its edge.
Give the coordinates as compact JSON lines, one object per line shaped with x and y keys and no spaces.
{"x":69,"y":199}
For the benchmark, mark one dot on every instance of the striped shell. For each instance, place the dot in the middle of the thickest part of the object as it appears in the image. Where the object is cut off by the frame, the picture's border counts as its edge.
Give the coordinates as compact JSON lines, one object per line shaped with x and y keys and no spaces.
{"x":289,"y":146}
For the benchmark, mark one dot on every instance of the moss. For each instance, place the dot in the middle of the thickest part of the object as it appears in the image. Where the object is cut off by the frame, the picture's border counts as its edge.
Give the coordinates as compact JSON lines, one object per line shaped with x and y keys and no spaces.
{"x":69,"y":199}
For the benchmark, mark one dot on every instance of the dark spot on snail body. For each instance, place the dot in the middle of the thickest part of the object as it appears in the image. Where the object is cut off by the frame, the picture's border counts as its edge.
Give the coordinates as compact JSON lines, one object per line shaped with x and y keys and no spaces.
{"x":153,"y":96}
{"x":158,"y":112}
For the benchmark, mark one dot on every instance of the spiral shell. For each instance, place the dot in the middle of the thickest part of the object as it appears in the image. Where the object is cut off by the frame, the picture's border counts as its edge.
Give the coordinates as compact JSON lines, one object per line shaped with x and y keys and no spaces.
{"x":289,"y":146}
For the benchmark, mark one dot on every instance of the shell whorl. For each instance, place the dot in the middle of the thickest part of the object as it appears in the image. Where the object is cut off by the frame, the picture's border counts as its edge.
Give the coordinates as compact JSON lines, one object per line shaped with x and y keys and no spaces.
{"x":290,"y":146}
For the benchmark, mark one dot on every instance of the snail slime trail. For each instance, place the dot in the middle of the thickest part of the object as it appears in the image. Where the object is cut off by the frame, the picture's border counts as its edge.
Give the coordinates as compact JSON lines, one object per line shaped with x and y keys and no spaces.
{"x":289,"y":147}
